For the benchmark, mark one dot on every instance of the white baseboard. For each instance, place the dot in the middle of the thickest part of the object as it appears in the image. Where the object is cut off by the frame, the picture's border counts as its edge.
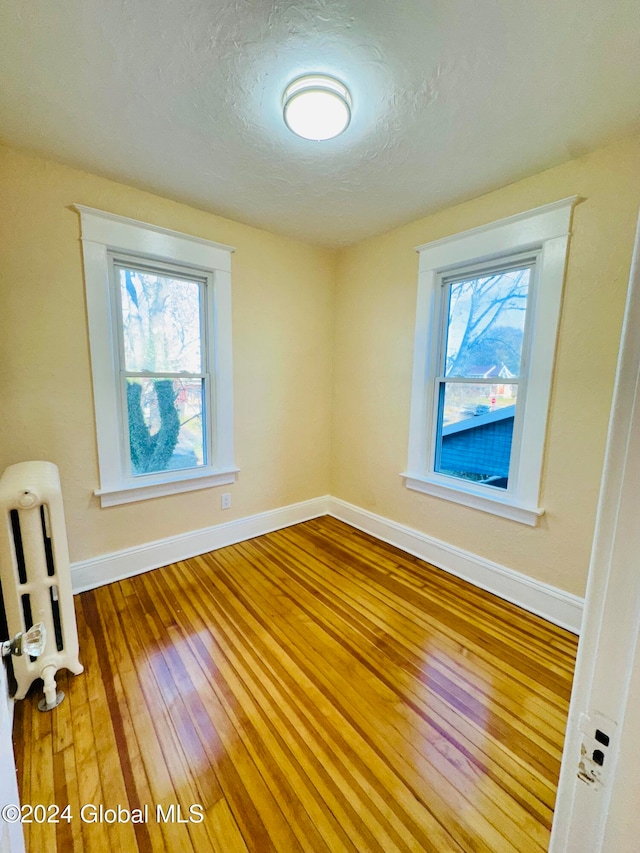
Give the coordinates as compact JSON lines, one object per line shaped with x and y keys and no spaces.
{"x":107,"y":568}
{"x":557,"y":606}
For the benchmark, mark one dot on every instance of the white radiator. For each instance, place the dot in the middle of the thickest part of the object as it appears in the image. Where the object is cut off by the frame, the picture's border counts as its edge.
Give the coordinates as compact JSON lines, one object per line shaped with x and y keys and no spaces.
{"x":35,"y":573}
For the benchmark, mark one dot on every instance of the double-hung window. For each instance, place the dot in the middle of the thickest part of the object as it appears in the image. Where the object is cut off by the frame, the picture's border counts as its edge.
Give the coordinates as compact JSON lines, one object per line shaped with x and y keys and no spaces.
{"x":159,"y":308}
{"x":487,"y":317}
{"x":164,"y":379}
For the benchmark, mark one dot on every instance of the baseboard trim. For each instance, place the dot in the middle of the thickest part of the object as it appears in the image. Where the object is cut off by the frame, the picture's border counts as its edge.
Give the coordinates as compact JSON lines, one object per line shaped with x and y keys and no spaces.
{"x":553,"y":604}
{"x":559,"y":607}
{"x":107,"y":568}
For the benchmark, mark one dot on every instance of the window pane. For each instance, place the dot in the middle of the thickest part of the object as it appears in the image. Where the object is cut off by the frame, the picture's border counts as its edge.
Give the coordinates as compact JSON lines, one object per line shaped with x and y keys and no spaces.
{"x":475,"y":431}
{"x":165,"y":424}
{"x":161,"y":322}
{"x":485,"y":325}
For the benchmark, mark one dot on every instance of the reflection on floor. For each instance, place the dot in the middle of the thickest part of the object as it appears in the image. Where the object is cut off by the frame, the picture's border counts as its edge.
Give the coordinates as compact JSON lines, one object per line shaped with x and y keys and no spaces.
{"x":311,"y":689}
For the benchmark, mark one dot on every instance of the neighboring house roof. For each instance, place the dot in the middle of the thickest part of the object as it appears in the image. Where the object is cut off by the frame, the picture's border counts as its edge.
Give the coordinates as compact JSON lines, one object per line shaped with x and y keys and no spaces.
{"x":480,"y":420}
{"x":480,"y":444}
{"x":486,"y":372}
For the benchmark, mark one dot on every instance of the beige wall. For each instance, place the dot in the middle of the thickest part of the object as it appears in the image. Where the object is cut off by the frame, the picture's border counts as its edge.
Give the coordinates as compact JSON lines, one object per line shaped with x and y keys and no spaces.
{"x":283,"y":295}
{"x":375,"y":314}
{"x":294,"y":323}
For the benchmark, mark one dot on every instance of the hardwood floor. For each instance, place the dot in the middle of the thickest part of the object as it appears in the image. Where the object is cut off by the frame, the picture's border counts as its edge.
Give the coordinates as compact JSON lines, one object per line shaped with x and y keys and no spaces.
{"x":312,"y":689}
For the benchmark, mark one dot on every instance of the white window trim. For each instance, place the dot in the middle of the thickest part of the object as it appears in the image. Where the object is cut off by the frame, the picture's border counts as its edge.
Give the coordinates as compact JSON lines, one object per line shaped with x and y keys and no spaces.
{"x":544,"y":230}
{"x":103,"y":233}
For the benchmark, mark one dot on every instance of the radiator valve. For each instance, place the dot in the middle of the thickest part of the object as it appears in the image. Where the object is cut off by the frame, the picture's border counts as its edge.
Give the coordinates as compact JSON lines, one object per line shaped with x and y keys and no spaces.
{"x":31,"y":642}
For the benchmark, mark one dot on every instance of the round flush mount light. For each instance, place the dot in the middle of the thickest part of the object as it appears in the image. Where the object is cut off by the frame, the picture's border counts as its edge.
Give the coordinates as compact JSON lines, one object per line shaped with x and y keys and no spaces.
{"x":317,"y":107}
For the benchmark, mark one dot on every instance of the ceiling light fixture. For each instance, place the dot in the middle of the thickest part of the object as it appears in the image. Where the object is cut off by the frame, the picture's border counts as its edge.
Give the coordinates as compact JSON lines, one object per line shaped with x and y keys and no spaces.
{"x":317,"y":107}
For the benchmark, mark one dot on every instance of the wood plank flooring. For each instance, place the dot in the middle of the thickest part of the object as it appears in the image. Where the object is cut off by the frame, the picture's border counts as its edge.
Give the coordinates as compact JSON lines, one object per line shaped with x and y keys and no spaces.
{"x":310,"y":690}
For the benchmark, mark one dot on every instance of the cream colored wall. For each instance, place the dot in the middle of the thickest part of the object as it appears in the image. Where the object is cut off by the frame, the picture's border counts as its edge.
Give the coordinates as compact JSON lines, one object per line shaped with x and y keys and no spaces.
{"x":289,"y":322}
{"x":282,"y":336}
{"x":375,"y":314}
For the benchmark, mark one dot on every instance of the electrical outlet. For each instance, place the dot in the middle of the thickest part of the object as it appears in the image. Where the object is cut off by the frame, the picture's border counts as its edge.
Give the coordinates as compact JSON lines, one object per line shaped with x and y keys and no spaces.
{"x":225,"y":501}
{"x":598,"y":732}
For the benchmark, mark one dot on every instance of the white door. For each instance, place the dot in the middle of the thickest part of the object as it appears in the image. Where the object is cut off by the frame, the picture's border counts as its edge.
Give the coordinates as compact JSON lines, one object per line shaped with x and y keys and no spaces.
{"x":598,"y":804}
{"x":11,"y":838}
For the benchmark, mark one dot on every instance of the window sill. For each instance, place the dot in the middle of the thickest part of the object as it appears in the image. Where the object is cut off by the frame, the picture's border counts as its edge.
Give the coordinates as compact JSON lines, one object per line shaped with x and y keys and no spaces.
{"x":486,"y":503}
{"x":132,"y":492}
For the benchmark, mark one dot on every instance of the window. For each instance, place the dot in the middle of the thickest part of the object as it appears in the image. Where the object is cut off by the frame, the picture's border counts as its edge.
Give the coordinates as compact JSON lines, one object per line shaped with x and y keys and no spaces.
{"x":487,"y":318}
{"x":479,"y":364}
{"x":159,"y":307}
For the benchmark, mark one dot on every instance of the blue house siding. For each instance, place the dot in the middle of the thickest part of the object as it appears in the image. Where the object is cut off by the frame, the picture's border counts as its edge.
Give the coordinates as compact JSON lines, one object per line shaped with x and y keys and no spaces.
{"x":478,"y":448}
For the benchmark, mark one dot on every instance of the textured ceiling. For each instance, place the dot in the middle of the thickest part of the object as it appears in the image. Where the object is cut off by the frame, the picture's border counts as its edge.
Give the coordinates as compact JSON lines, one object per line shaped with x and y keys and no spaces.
{"x":452,"y":98}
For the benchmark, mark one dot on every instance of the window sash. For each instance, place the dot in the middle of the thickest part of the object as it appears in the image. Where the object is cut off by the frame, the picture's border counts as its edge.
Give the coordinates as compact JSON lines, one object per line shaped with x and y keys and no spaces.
{"x":119,"y":261}
{"x":472,"y":380}
{"x":507,"y":263}
{"x":126,"y":437}
{"x":122,"y":262}
{"x":439,"y":426}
